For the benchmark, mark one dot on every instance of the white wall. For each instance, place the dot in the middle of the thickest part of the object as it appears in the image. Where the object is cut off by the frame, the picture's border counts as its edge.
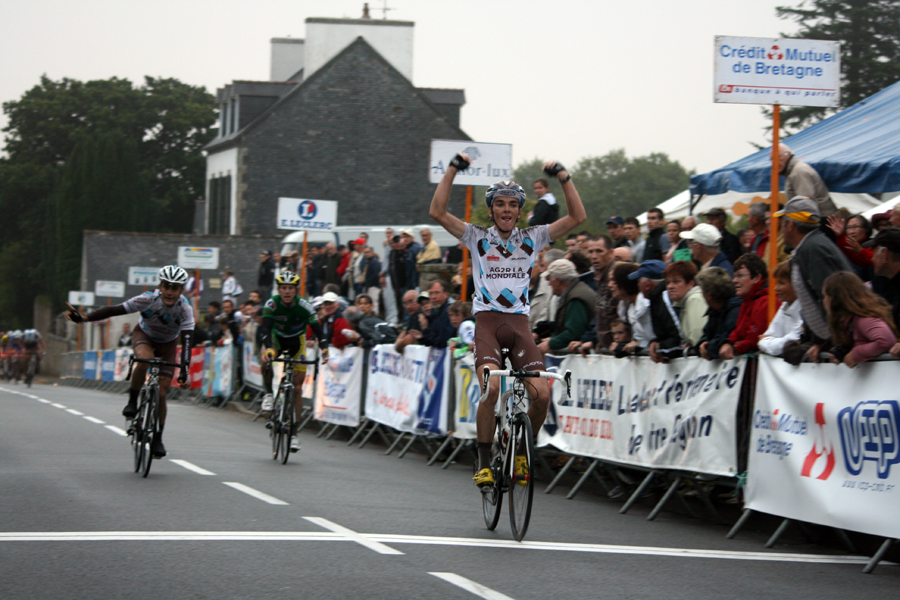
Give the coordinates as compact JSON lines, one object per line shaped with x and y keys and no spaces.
{"x":325,"y":38}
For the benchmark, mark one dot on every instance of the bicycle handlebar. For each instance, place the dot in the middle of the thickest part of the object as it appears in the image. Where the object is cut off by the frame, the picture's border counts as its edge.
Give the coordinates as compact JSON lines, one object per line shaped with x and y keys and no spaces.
{"x":158,"y":362}
{"x":520,"y":374}
{"x":294,"y":361}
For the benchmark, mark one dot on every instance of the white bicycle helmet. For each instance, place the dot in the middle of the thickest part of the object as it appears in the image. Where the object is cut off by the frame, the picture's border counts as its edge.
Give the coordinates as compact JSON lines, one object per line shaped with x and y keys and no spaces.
{"x":173,"y":274}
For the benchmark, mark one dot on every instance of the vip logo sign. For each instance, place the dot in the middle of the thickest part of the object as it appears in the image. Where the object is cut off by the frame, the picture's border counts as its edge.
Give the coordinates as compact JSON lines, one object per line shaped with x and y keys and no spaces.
{"x":298,"y":214}
{"x":777,"y":71}
{"x":190,"y":257}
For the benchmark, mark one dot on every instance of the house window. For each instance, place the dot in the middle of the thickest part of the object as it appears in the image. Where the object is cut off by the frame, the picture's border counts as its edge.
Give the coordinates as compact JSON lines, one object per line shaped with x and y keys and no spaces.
{"x":219,"y":220}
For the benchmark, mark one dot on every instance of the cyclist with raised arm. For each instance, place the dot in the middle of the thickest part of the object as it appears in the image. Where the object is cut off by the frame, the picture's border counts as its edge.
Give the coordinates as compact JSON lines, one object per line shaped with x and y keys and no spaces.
{"x":285,"y":318}
{"x":504,"y":257}
{"x":166,"y":315}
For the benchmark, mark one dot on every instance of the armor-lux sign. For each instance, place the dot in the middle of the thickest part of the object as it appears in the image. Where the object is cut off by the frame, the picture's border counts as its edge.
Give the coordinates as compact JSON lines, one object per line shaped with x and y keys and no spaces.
{"x":299,"y":214}
{"x":490,"y":162}
{"x":790,"y":72}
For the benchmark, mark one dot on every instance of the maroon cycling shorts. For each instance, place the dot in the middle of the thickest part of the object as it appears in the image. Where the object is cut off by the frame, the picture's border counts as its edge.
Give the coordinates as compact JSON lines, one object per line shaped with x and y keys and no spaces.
{"x":168,"y":351}
{"x":497,"y":330}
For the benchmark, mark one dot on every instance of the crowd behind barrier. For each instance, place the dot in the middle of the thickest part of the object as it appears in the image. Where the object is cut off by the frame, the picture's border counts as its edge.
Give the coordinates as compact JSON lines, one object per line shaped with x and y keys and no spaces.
{"x":822,"y":443}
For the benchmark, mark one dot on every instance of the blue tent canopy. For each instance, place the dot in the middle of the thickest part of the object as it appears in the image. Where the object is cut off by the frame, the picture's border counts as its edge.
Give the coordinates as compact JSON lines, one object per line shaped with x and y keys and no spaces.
{"x":855,"y":151}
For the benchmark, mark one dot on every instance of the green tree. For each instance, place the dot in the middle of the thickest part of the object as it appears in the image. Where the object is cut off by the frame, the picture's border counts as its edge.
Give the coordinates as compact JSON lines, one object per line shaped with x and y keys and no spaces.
{"x":869,"y":32}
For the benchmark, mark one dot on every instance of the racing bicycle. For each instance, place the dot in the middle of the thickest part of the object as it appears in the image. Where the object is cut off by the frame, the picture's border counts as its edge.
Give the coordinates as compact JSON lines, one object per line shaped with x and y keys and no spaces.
{"x":145,"y":425}
{"x":31,"y":371}
{"x":512,"y":460}
{"x":281,"y":419}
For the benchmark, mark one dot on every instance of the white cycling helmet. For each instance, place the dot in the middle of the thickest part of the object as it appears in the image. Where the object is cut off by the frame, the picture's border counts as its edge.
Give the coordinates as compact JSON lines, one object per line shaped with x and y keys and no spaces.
{"x":173,"y":274}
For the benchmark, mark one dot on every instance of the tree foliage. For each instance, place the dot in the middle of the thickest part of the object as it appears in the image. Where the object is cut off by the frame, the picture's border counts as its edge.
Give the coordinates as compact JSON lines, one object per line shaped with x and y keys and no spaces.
{"x":93,"y":155}
{"x":869,"y":32}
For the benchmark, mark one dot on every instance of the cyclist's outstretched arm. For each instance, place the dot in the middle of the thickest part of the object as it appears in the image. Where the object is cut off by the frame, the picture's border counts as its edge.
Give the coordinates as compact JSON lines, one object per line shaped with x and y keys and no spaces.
{"x":441,"y":198}
{"x":577,"y":214}
{"x":104,"y":312}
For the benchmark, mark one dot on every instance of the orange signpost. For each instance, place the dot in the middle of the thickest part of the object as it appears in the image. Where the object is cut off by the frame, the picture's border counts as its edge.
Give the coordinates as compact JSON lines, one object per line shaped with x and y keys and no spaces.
{"x":773,"y":199}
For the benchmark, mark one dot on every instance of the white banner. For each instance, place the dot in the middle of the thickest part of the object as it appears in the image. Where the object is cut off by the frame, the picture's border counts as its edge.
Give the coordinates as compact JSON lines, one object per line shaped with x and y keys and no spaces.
{"x":790,"y":72}
{"x":825,"y":445}
{"x":340,"y":387}
{"x":490,"y":162}
{"x":395,"y":385}
{"x":634,"y":411}
{"x":121,"y":368}
{"x":148,"y":276}
{"x":468,"y":393}
{"x":252,"y":370}
{"x":297,"y":213}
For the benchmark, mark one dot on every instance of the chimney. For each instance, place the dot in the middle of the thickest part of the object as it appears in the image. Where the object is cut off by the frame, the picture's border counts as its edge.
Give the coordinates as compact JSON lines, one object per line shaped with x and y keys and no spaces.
{"x":327,"y":37}
{"x":288,"y":56}
{"x":366,"y":11}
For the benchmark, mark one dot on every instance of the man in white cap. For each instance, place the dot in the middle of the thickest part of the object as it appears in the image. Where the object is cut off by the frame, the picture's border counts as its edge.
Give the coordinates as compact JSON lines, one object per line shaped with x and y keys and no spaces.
{"x":704,"y":240}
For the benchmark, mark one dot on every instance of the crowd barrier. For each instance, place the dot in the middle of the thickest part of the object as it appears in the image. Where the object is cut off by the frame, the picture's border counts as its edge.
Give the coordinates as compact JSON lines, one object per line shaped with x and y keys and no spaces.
{"x":816,"y":443}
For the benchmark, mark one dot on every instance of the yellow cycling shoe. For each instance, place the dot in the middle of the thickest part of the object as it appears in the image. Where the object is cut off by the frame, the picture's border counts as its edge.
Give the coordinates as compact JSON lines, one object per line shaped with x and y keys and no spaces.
{"x":483,"y":477}
{"x":521,"y":470}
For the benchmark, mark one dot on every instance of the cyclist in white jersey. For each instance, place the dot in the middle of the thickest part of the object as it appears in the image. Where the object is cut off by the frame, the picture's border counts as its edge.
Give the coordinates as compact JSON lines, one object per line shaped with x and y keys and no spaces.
{"x":166,"y":316}
{"x":504,"y":257}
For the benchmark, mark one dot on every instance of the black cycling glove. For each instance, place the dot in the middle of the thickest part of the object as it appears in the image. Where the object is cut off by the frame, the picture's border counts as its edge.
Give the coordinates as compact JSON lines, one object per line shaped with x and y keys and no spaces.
{"x":460,"y":163}
{"x":554,"y":169}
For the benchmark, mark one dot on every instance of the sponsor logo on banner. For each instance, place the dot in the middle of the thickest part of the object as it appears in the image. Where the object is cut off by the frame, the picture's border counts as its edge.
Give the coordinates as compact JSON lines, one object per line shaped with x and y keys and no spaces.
{"x":340,"y":387}
{"x":397,"y":389}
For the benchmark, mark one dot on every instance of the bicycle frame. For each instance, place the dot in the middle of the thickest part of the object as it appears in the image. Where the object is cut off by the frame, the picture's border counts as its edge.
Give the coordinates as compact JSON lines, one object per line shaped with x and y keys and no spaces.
{"x":282,"y":417}
{"x":141,"y":435}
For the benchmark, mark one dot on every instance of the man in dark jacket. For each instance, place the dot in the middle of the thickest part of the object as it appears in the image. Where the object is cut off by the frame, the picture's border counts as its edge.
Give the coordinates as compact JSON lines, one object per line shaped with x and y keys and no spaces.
{"x":730,"y":243}
{"x":667,"y":341}
{"x":724,"y":307}
{"x":438,"y":329}
{"x":546,"y":210}
{"x":266,"y":272}
{"x":657,"y":240}
{"x":574,"y":307}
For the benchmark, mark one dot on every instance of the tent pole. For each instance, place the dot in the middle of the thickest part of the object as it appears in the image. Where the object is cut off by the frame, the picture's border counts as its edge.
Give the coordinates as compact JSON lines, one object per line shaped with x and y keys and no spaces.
{"x":773,"y":198}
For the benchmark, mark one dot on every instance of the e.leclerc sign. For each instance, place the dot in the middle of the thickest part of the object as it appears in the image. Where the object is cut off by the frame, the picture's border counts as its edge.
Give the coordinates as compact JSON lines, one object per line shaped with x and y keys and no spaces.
{"x":789,"y":72}
{"x":297,"y":213}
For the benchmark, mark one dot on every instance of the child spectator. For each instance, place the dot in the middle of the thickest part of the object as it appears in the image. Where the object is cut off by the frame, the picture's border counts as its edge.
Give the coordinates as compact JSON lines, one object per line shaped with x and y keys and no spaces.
{"x":788,"y":324}
{"x":860,"y":321}
{"x":621,"y":335}
{"x":461,"y":317}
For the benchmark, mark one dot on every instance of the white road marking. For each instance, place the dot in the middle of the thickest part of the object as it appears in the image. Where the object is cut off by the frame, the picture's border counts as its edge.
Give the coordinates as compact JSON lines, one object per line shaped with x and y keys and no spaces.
{"x":471,"y":586}
{"x":57,"y":405}
{"x":95,"y":420}
{"x":191,"y":467}
{"x":75,"y":412}
{"x":42,"y":400}
{"x":352,"y":535}
{"x":115,"y":429}
{"x":339,"y":533}
{"x":255,"y":493}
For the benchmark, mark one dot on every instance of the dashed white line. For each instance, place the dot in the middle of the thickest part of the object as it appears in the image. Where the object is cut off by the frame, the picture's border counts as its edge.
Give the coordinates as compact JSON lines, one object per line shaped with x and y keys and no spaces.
{"x":57,"y":405}
{"x":352,"y":535}
{"x":115,"y":429}
{"x":255,"y":493}
{"x":471,"y":586}
{"x":95,"y":420}
{"x":191,"y":467}
{"x":42,"y":400}
{"x":75,"y":412}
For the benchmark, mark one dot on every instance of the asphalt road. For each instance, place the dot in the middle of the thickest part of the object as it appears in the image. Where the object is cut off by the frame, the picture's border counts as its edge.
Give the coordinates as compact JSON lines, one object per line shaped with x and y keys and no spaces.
{"x":219,"y":519}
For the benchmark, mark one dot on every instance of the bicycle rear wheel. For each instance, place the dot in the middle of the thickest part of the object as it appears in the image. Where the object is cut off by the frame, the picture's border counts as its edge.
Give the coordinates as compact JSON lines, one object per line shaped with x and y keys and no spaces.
{"x":148,"y":430}
{"x":521,"y":475}
{"x":32,"y":368}
{"x":287,"y":425}
{"x":276,"y":432}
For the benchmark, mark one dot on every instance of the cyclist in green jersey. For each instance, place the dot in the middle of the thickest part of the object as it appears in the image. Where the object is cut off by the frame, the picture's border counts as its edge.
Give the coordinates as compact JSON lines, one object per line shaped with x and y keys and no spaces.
{"x":285,"y":318}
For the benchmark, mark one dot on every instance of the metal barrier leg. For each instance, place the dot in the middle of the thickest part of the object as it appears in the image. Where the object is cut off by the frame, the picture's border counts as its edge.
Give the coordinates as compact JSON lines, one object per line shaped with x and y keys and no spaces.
{"x":305,"y":421}
{"x":778,"y":532}
{"x":333,"y":431}
{"x":704,"y":498}
{"x":322,"y":431}
{"x":584,"y":478}
{"x":440,"y":449}
{"x":637,"y":493}
{"x":456,"y":451}
{"x":559,"y":475}
{"x":394,"y":445}
{"x":369,"y":435}
{"x":662,"y":502}
{"x":878,"y":555}
{"x":359,"y":429}
{"x":740,"y":523}
{"x":407,"y":446}
{"x":846,"y":540}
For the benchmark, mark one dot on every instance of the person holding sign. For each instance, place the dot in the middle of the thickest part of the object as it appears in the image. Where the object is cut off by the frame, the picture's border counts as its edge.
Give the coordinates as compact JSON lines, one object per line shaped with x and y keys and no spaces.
{"x":505,"y":257}
{"x":166,"y":315}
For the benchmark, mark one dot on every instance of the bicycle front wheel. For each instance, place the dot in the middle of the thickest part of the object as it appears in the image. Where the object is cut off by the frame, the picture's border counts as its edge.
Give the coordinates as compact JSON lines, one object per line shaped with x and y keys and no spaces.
{"x":137,"y":433}
{"x":276,"y":433}
{"x":287,"y":425}
{"x":521,"y":475}
{"x":148,"y":429}
{"x":492,"y":497}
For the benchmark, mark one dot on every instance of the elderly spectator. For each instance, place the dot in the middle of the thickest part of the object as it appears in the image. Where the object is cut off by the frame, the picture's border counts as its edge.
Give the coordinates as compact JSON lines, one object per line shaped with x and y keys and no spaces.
{"x":436,"y":327}
{"x":850,"y":236}
{"x":636,"y":242}
{"x":328,"y":314}
{"x":574,"y":308}
{"x":688,"y":223}
{"x":657,"y":241}
{"x":666,"y":342}
{"x":718,"y":291}
{"x":266,"y":276}
{"x":411,"y":309}
{"x":633,"y":307}
{"x":861,"y":323}
{"x":815,"y":257}
{"x":430,"y":253}
{"x":751,"y":285}
{"x":546,"y":210}
{"x":729,"y":244}
{"x":615,"y":228}
{"x":800,"y":179}
{"x":787,"y":326}
{"x":687,"y":299}
{"x":705,"y":241}
{"x":886,"y":263}
{"x":622,"y":254}
{"x":756,"y":220}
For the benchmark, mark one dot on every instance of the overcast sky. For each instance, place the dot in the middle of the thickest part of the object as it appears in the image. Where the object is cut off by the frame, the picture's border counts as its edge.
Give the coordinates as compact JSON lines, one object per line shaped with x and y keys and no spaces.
{"x":563,"y":79}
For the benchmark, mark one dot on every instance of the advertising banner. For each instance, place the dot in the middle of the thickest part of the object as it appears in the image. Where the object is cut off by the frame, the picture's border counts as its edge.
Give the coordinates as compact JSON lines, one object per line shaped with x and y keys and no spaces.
{"x":148,"y":276}
{"x":190,"y":257}
{"x":435,"y":394}
{"x":790,"y":72}
{"x":91,"y":364}
{"x":109,"y":289}
{"x":395,"y":385}
{"x":121,"y":366}
{"x":339,"y":388}
{"x":251,"y":368}
{"x":107,"y":365}
{"x":217,"y":370}
{"x":297,"y":214}
{"x":468,"y":393}
{"x":490,"y":162}
{"x":679,"y":415}
{"x":825,"y":445}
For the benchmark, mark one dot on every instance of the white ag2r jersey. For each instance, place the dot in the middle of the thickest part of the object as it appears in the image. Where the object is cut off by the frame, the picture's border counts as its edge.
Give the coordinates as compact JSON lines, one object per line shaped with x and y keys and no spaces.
{"x":503,"y":267}
{"x":160,"y":322}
